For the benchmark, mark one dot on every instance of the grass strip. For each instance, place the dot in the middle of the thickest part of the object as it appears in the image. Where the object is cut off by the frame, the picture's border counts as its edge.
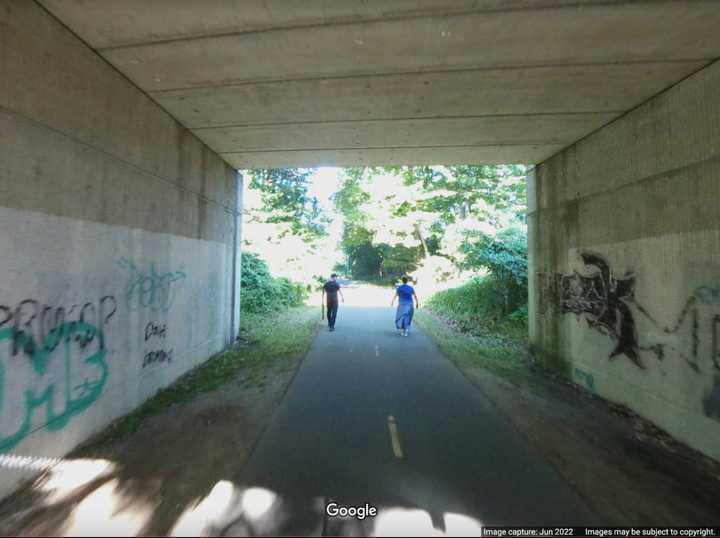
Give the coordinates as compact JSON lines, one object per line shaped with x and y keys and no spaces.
{"x":501,"y":353}
{"x":275,"y":340}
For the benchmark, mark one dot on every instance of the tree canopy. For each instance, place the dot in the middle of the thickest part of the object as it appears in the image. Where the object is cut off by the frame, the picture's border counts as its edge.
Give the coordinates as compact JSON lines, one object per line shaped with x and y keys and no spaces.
{"x":397,"y":219}
{"x":285,"y":200}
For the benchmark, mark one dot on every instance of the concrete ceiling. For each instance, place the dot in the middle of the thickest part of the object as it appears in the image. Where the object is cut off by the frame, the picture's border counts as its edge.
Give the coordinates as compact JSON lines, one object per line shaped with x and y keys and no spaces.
{"x":355,"y":82}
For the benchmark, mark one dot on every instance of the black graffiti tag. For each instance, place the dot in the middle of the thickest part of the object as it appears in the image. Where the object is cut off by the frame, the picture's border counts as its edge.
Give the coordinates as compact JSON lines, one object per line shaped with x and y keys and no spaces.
{"x":153,"y":329}
{"x":601,"y":297}
{"x":34,"y":324}
{"x":156,"y":356}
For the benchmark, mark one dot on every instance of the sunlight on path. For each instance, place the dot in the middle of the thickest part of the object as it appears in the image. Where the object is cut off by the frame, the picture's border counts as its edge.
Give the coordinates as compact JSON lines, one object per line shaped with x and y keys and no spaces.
{"x":358,"y":294}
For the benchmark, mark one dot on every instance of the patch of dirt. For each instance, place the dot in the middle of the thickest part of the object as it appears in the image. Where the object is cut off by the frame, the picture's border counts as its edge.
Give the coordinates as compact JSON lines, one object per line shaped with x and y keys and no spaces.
{"x":627,"y":469}
{"x":165,"y":468}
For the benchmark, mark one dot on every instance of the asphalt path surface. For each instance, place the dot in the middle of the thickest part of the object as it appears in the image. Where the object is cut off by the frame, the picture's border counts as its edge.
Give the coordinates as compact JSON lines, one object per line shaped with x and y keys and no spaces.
{"x":374,"y":417}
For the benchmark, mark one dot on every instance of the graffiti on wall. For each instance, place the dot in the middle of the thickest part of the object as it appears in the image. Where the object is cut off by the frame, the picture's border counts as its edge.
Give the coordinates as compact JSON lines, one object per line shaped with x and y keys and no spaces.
{"x":32,"y":323}
{"x":608,"y":304}
{"x":156,"y":334}
{"x":149,"y":289}
{"x":585,"y":377}
{"x":52,"y":362}
{"x":708,"y":294}
{"x":711,"y":403}
{"x":601,"y":297}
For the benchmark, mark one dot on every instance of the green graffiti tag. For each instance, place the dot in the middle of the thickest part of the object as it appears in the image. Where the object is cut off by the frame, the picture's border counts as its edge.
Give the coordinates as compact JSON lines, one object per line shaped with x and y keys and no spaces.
{"x":708,"y":294}
{"x":585,"y":377}
{"x":82,"y":348}
{"x":149,"y":289}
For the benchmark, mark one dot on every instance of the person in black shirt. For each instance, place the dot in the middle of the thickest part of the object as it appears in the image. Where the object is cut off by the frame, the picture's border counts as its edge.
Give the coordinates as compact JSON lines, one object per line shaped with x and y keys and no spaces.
{"x":331,"y":289}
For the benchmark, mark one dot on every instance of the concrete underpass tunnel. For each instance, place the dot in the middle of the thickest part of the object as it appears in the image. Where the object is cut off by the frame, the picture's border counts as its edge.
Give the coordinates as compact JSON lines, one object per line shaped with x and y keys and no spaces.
{"x":123,"y":125}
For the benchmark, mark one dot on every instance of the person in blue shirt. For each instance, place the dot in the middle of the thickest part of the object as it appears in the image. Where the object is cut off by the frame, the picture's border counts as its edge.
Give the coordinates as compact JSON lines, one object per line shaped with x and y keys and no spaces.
{"x":405,"y":310}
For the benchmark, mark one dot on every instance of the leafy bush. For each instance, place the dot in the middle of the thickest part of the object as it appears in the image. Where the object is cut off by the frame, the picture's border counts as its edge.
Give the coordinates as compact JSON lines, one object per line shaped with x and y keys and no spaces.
{"x":479,"y":306}
{"x":261,"y":292}
{"x":505,"y":257}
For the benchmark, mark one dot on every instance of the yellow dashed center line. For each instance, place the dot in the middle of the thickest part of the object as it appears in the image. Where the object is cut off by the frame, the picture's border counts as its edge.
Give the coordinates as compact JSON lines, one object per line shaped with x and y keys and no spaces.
{"x":395,"y":438}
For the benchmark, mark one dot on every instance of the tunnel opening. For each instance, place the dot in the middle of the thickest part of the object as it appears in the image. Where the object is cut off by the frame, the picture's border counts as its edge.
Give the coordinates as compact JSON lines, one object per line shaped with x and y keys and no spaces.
{"x":135,"y":394}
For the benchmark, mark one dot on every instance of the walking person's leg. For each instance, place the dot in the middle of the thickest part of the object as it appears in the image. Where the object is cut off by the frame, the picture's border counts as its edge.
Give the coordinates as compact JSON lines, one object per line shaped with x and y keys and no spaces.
{"x":408,"y":319}
{"x":402,"y":318}
{"x":332,"y":309}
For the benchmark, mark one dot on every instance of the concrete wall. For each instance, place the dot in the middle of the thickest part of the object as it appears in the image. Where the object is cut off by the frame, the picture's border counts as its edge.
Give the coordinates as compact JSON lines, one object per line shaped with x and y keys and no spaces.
{"x":117,"y":232}
{"x":625,"y":261}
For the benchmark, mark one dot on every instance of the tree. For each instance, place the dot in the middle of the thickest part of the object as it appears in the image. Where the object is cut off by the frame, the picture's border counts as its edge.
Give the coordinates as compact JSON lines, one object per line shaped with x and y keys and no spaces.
{"x":352,"y":196}
{"x":382,"y":238}
{"x":427,"y":211}
{"x":285,"y":199}
{"x":504,"y":254}
{"x":492,"y":193}
{"x":286,"y":226}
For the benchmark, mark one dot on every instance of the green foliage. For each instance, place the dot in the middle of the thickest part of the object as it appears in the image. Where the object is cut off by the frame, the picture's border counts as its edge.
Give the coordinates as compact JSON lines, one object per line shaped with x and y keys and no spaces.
{"x":367,"y":258}
{"x":474,"y":304}
{"x":364,"y":259}
{"x":497,"y":351}
{"x":285,"y":200}
{"x":261,"y":292}
{"x":416,"y":212}
{"x":399,"y":260}
{"x":504,"y":254}
{"x":342,"y":269}
{"x":519,"y":316}
{"x":478,"y":308}
{"x":459,"y":192}
{"x":378,"y":263}
{"x":352,"y":195}
{"x":505,"y":257}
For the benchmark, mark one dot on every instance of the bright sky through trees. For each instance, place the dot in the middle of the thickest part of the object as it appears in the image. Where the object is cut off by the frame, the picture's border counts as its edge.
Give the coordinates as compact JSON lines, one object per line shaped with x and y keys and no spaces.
{"x":442,"y":224}
{"x":289,"y":255}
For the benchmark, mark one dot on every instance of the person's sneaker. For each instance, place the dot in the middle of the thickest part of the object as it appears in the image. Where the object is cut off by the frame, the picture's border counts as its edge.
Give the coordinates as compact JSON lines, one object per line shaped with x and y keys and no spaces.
{"x":332,"y":329}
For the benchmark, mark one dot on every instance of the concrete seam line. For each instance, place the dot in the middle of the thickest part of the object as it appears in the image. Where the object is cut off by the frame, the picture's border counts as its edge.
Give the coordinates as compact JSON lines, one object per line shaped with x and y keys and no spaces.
{"x":420,"y":72}
{"x":117,"y":158}
{"x":408,"y":118}
{"x":638,"y":106}
{"x":387,"y":148}
{"x":665,"y":174}
{"x":132,"y":84}
{"x":236,"y":262}
{"x":428,"y":14}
